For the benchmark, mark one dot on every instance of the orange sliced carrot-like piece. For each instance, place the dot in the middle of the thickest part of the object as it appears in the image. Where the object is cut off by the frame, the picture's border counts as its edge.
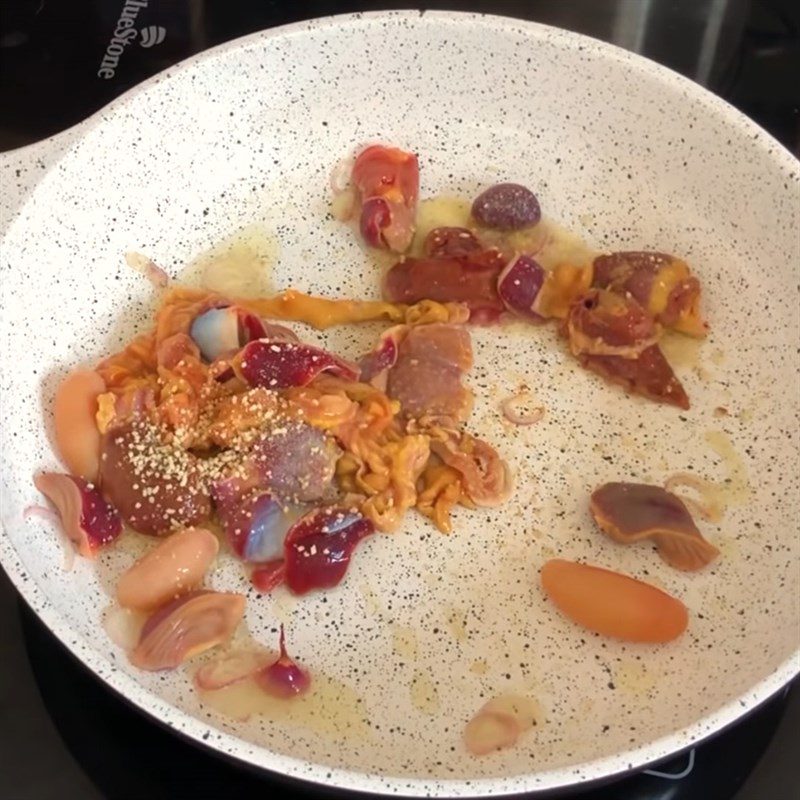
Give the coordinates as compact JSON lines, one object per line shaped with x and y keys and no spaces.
{"x":613,"y":604}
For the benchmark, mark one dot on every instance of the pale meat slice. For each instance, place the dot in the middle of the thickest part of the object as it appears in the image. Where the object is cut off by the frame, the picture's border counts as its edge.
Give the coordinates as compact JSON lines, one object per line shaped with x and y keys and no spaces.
{"x":426,"y":378}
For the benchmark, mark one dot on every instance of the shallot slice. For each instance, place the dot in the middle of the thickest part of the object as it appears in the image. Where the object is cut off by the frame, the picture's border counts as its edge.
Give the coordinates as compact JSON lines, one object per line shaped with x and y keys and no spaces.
{"x":85,"y":516}
{"x":340,"y":175}
{"x":123,"y":626}
{"x":49,"y":515}
{"x":710,"y":509}
{"x":524,"y":709}
{"x":519,"y":410}
{"x":42,"y":512}
{"x":175,"y":566}
{"x":186,"y":627}
{"x":499,"y":723}
{"x":489,"y":731}
{"x":155,"y":274}
{"x":284,"y":678}
{"x":233,"y":667}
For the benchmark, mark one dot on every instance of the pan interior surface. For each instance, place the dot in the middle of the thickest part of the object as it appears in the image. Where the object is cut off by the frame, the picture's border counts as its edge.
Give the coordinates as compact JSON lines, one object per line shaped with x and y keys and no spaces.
{"x":427,"y":627}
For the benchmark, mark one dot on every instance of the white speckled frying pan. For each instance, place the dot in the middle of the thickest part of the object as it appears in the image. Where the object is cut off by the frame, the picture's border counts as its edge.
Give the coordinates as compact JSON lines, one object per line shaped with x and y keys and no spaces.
{"x":623,"y":152}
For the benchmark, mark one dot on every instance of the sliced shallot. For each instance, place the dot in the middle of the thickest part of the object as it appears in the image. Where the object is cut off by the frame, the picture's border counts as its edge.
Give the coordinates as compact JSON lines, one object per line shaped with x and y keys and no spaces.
{"x":123,"y":626}
{"x":499,"y":723}
{"x":186,"y":627}
{"x":175,"y":566}
{"x":284,"y":678}
{"x":520,"y":410}
{"x":141,"y":263}
{"x":42,"y":512}
{"x":235,"y":666}
{"x":86,"y":518}
{"x":710,"y":508}
{"x":48,"y":515}
{"x":340,"y":174}
{"x":489,"y":731}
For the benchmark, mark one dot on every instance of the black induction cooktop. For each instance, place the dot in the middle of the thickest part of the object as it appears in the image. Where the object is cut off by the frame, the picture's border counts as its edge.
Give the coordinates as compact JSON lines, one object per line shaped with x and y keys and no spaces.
{"x":65,"y":735}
